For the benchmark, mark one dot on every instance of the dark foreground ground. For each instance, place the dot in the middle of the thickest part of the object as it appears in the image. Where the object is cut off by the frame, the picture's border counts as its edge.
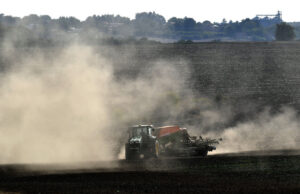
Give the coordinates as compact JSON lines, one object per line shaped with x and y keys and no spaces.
{"x":245,"y":173}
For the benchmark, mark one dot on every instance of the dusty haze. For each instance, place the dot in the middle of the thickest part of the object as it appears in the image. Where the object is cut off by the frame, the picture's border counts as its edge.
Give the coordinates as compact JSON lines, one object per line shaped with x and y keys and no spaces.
{"x":267,"y":132}
{"x":68,"y":104}
{"x":72,"y":108}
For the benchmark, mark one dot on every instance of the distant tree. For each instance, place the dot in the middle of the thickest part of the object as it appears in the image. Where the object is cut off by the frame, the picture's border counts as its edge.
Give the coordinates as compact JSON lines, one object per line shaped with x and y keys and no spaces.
{"x":92,"y":21}
{"x":45,"y":19}
{"x":30,"y":19}
{"x":149,"y":24}
{"x":224,"y":21}
{"x":66,"y":23}
{"x":175,"y":24}
{"x":207,"y":25}
{"x":9,"y":20}
{"x":189,"y":23}
{"x":284,"y":32}
{"x":63,"y":23}
{"x":110,"y":24}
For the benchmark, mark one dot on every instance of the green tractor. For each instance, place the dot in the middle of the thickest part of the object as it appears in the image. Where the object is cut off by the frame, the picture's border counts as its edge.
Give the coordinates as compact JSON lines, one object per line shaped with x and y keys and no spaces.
{"x":142,"y":143}
{"x":145,"y":142}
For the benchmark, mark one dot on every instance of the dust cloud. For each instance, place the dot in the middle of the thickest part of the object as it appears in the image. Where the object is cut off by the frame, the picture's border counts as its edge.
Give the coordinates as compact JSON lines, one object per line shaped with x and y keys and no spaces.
{"x":266,"y":132}
{"x":68,"y":106}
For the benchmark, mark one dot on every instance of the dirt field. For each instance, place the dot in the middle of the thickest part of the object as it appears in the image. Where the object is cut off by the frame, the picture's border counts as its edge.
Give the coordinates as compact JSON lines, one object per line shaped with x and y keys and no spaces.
{"x":251,"y":75}
{"x":232,"y":70}
{"x":239,"y":173}
{"x":259,"y":74}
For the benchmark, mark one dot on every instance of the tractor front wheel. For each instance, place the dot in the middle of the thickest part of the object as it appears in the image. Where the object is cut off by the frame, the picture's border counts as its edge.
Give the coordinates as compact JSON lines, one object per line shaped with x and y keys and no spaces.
{"x":128,"y":153}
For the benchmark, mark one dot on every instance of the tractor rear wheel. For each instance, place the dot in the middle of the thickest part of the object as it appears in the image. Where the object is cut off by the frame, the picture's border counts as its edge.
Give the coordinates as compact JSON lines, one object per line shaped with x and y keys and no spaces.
{"x":204,"y":153}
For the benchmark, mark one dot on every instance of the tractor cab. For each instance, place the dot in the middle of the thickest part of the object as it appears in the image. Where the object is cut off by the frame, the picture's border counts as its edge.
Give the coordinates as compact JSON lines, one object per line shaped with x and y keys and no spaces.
{"x":141,"y":142}
{"x":141,"y":131}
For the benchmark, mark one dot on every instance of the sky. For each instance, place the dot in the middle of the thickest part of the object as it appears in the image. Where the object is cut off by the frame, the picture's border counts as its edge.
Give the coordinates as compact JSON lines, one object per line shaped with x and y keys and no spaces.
{"x":200,"y":10}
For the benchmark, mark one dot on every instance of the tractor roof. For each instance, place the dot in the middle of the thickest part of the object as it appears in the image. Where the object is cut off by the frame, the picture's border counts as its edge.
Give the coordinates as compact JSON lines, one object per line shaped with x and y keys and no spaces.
{"x":134,"y":126}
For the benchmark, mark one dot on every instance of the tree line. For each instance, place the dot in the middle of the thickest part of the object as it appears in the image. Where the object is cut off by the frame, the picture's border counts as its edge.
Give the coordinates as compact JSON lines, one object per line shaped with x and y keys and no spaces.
{"x":147,"y":25}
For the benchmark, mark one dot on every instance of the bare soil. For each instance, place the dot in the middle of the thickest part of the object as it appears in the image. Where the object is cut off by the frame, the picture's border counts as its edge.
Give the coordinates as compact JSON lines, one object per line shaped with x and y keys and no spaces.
{"x":278,"y":171}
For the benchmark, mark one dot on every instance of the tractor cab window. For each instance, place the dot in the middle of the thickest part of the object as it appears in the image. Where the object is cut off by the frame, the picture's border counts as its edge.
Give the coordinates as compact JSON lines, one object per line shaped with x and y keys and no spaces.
{"x":150,"y":130}
{"x":139,"y":131}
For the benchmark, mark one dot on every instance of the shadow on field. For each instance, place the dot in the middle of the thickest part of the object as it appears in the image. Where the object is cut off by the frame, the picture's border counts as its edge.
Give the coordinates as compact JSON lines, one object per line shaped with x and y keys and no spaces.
{"x":238,"y":173}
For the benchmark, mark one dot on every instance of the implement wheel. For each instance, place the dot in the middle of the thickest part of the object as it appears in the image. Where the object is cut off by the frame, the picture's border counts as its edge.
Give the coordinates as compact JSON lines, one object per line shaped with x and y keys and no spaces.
{"x":157,"y":151}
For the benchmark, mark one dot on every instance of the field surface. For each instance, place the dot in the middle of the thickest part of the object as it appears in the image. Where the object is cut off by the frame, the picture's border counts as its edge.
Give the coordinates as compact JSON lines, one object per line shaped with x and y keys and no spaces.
{"x":277,"y":171}
{"x":255,"y":71}
{"x":259,"y":74}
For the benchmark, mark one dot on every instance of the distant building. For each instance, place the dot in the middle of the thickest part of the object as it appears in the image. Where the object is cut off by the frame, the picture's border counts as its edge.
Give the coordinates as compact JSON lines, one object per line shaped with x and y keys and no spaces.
{"x":269,"y":19}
